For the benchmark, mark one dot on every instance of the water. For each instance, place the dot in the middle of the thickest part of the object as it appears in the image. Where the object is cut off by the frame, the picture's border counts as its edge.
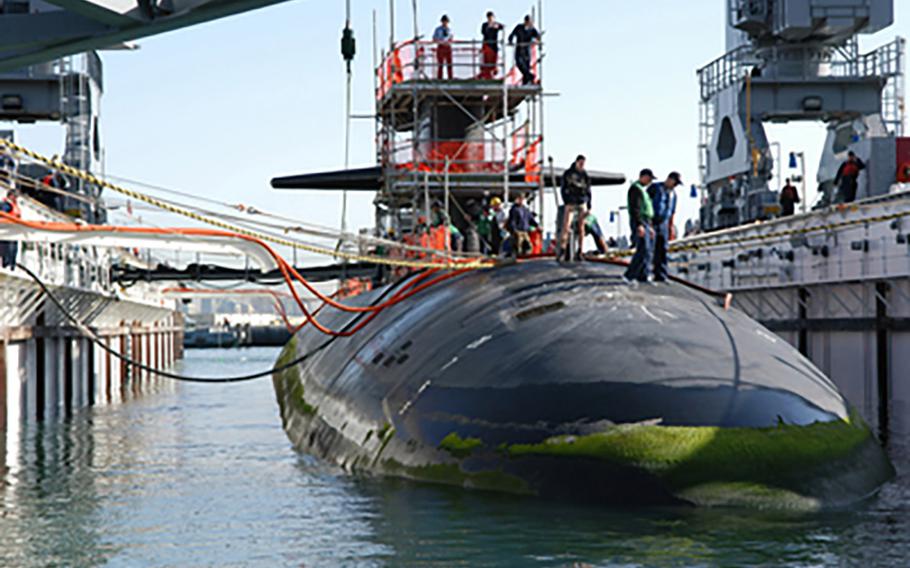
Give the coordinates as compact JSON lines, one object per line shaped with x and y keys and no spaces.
{"x":202,"y":475}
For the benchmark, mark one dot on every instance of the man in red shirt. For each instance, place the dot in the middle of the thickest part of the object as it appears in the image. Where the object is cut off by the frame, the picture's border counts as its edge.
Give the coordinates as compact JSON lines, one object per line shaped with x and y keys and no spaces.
{"x":490,"y":50}
{"x":847,"y":176}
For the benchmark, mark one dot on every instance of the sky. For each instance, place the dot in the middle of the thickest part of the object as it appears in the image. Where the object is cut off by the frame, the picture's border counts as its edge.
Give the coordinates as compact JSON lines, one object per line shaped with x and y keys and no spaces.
{"x":220,"y":108}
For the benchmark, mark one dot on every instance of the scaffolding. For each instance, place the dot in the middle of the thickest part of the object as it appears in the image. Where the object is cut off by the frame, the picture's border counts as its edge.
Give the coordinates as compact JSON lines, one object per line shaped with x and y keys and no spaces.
{"x":453,"y":130}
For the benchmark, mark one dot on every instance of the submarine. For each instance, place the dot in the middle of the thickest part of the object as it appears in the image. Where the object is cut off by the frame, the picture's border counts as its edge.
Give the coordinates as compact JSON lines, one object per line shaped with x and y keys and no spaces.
{"x":563,"y":381}
{"x":540,"y":378}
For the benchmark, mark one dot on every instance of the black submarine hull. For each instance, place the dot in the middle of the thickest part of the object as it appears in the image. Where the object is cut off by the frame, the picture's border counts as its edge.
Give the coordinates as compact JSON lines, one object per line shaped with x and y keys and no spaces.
{"x":563,"y":381}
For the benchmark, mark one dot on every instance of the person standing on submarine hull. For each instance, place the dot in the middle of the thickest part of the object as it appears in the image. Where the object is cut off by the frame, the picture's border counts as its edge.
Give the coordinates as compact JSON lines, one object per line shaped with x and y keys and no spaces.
{"x":576,"y":198}
{"x":663,"y":199}
{"x":520,"y":223}
{"x":641,"y":213}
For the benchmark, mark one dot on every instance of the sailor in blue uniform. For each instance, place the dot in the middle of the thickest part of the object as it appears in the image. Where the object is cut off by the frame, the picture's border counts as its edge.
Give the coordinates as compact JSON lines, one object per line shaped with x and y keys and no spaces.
{"x":663,"y":198}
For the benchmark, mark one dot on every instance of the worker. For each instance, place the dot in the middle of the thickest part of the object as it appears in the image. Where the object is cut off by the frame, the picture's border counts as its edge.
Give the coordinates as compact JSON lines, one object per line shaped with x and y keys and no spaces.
{"x":663,"y":200}
{"x":789,"y":197}
{"x":641,"y":212}
{"x":9,"y":249}
{"x":53,"y":180}
{"x":576,"y":198}
{"x":523,"y":36}
{"x":519,"y":225}
{"x":489,"y":52}
{"x":483,"y":223}
{"x":592,"y":227}
{"x":498,"y":224}
{"x":443,"y":38}
{"x":440,"y":218}
{"x":7,"y":169}
{"x":847,"y":175}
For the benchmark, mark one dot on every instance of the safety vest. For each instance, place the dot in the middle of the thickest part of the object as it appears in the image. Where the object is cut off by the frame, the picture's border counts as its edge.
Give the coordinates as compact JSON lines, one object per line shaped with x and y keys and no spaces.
{"x":647,"y":208}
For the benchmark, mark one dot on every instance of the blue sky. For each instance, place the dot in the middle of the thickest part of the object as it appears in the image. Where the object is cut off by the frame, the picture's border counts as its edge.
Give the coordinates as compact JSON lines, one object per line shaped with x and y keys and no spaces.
{"x":220,"y":108}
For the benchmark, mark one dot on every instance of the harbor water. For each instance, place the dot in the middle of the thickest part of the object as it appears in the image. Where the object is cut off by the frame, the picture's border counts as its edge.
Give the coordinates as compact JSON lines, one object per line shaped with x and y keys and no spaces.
{"x":203,"y":475}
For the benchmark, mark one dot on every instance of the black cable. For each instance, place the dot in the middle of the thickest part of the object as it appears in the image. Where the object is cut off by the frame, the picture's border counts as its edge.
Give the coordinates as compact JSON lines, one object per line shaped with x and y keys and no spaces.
{"x":93,"y":337}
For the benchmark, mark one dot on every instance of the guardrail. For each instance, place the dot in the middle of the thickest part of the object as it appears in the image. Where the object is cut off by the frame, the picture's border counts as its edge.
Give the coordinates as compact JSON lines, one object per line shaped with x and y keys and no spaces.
{"x":467,"y":60}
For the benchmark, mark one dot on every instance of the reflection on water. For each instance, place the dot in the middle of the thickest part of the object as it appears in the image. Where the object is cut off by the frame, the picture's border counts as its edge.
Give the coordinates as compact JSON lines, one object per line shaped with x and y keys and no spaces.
{"x":203,"y":475}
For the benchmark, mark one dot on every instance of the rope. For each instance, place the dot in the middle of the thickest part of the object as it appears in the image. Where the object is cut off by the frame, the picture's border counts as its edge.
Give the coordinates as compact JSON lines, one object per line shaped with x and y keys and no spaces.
{"x":792,"y":232}
{"x":447,"y":264}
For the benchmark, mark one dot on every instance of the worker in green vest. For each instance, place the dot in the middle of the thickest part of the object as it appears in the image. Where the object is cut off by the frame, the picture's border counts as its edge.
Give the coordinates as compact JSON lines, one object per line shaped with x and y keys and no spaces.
{"x":641,"y":214}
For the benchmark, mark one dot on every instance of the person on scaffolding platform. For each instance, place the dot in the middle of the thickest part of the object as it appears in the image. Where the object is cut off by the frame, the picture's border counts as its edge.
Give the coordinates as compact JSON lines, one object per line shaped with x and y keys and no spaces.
{"x":443,"y":38}
{"x":641,"y":211}
{"x":847,"y":176}
{"x":576,"y":197}
{"x":490,"y":50}
{"x":523,"y":36}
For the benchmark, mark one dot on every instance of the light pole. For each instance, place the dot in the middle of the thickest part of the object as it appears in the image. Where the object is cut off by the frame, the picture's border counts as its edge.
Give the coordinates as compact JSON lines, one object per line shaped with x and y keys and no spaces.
{"x":794,"y":156}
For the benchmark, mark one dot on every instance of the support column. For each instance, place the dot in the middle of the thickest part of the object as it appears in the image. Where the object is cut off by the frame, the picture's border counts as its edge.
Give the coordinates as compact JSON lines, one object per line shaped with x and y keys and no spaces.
{"x":17,"y":370}
{"x":881,"y":360}
{"x":91,"y":373}
{"x":125,"y":350}
{"x":40,"y":370}
{"x":108,"y":371}
{"x":69,"y":391}
{"x":53,"y":379}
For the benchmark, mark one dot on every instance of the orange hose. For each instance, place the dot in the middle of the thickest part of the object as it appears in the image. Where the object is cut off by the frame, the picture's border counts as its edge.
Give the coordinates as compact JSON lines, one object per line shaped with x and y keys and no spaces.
{"x":287,"y":271}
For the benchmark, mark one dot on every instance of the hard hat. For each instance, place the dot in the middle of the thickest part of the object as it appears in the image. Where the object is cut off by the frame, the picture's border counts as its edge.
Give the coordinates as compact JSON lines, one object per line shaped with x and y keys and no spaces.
{"x":495,"y":201}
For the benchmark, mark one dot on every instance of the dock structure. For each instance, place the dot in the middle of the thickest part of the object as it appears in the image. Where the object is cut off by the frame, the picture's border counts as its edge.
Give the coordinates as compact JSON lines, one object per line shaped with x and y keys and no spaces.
{"x":47,"y":367}
{"x":833,"y":281}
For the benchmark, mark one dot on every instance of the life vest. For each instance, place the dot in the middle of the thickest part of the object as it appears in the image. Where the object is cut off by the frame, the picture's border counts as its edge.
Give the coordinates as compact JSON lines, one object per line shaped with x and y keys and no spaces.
{"x":647,"y":208}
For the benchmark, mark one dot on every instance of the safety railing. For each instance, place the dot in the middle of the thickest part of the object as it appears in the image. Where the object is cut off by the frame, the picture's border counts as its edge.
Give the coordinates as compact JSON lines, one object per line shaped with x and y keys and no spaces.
{"x":456,"y":61}
{"x":467,"y":157}
{"x":724,"y":71}
{"x":730,"y":68}
{"x":886,"y":61}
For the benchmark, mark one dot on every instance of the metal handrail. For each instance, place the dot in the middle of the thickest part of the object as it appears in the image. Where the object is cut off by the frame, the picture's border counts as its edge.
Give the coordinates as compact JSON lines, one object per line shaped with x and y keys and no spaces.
{"x":730,"y":68}
{"x":419,"y":60}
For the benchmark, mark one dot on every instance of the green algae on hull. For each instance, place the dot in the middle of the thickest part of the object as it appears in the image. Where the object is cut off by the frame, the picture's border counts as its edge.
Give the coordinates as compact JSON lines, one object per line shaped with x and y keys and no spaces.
{"x":684,"y":456}
{"x":288,"y":385}
{"x":458,"y":446}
